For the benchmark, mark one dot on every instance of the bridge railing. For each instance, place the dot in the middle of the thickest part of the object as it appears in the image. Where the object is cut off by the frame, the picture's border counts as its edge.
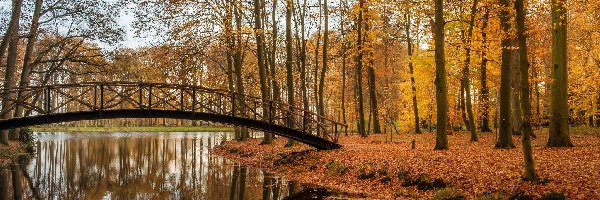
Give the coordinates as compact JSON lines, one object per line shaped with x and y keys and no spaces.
{"x":100,"y":96}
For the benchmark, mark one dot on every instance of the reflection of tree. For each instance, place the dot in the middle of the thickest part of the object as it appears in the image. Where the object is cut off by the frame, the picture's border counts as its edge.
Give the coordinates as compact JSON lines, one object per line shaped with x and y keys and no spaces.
{"x":140,"y":166}
{"x":3,"y":183}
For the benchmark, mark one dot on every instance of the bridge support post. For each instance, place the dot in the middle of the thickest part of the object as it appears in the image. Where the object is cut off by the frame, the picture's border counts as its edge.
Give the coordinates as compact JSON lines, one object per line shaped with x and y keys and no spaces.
{"x":232,"y":107}
{"x":149,"y":99}
{"x":271,"y":111}
{"x":140,"y":96}
{"x":181,"y":99}
{"x":101,"y":97}
{"x":48,"y":100}
{"x":193,"y":102}
{"x":95,"y":98}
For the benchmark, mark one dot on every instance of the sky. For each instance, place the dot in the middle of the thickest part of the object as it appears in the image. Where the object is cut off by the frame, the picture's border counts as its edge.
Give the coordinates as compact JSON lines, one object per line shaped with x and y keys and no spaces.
{"x":126,"y":20}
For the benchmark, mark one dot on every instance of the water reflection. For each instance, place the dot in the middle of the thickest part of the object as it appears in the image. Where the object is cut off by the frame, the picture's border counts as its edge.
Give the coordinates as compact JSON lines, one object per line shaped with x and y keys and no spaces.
{"x":136,"y":166}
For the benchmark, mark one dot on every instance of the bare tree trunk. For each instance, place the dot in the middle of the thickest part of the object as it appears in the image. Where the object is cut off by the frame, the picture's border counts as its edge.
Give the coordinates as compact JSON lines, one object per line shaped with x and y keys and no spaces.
{"x":12,"y":37}
{"x":274,"y":82}
{"x":485,"y":100}
{"x":237,"y":61}
{"x":288,"y":63}
{"x":517,"y":120}
{"x":27,"y":66}
{"x":264,"y":90}
{"x":529,"y":174}
{"x":321,"y":106}
{"x":409,"y":45}
{"x":343,"y":49}
{"x":559,"y":107}
{"x":441,"y":92}
{"x":505,"y":135}
{"x":466,"y":73}
{"x":359,"y":63}
{"x":374,"y":112}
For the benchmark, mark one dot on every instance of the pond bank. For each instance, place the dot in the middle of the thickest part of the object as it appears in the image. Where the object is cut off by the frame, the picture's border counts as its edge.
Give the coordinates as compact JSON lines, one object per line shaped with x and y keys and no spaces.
{"x":380,"y":169}
{"x":11,"y":152}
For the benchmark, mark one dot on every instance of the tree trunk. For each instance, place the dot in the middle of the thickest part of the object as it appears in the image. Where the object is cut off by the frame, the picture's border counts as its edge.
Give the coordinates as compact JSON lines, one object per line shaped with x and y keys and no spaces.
{"x":529,"y":174}
{"x":321,"y":106}
{"x":343,"y":49}
{"x":371,"y":73}
{"x":238,"y":65}
{"x":260,"y":45}
{"x":359,"y":63}
{"x":517,"y":120}
{"x":505,"y":135}
{"x":27,"y":66}
{"x":559,"y":107}
{"x":274,"y":82}
{"x":16,"y":181}
{"x":462,"y":102}
{"x":288,"y":62}
{"x":485,"y":100}
{"x":441,"y":92}
{"x":412,"y":74}
{"x":466,"y":73}
{"x":12,"y":37}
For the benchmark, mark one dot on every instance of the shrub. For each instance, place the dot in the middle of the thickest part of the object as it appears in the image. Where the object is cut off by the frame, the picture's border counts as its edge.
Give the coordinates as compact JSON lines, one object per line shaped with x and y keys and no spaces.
{"x":28,"y":139}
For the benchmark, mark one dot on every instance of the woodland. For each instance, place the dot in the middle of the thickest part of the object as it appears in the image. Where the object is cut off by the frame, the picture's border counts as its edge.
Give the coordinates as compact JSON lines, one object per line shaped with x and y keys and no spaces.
{"x":502,"y":74}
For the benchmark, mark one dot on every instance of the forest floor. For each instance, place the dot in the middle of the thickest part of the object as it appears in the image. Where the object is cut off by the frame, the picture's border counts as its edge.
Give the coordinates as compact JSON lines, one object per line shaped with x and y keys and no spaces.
{"x":381,"y":169}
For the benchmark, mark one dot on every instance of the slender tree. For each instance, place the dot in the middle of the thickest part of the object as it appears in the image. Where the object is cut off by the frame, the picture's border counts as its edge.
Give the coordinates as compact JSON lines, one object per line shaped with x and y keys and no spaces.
{"x":27,"y":64}
{"x":288,"y":60}
{"x":485,"y":100}
{"x":409,"y":46}
{"x":441,"y":92}
{"x":466,"y":78}
{"x":260,"y":57}
{"x":12,"y":38}
{"x":321,"y":105}
{"x":371,"y":73}
{"x":237,"y":62}
{"x":359,"y":66}
{"x":559,"y":107}
{"x":529,"y":174}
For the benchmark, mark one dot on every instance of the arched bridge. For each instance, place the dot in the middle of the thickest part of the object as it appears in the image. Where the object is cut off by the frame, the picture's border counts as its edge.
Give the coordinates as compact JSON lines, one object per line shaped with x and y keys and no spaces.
{"x":108,"y":100}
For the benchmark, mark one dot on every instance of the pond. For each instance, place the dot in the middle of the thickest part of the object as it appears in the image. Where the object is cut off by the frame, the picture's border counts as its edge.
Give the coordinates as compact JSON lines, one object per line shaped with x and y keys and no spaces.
{"x":138,"y":166}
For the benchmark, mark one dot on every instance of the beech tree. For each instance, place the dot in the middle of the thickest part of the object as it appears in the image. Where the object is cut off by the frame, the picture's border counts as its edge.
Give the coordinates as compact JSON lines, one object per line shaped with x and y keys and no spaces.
{"x":505,"y":136}
{"x":524,"y":86}
{"x":559,"y":107}
{"x":441,"y":91}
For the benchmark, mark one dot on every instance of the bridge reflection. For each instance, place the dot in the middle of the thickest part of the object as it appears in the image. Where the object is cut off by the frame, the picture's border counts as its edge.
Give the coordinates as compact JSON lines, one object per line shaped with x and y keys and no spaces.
{"x":139,"y":166}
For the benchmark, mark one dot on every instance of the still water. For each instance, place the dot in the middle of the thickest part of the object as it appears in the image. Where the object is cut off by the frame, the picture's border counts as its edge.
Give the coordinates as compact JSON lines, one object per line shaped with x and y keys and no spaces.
{"x":137,"y":166}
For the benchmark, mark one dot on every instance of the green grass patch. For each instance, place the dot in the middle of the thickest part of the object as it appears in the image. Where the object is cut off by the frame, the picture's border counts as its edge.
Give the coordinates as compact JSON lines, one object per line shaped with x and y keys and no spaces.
{"x":448,"y":194}
{"x":336,"y":168}
{"x":585,"y":130}
{"x":132,"y":129}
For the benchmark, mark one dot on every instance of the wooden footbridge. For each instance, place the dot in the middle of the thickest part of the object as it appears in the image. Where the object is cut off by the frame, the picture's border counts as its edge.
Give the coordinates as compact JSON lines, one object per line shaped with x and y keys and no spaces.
{"x":109,"y":100}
